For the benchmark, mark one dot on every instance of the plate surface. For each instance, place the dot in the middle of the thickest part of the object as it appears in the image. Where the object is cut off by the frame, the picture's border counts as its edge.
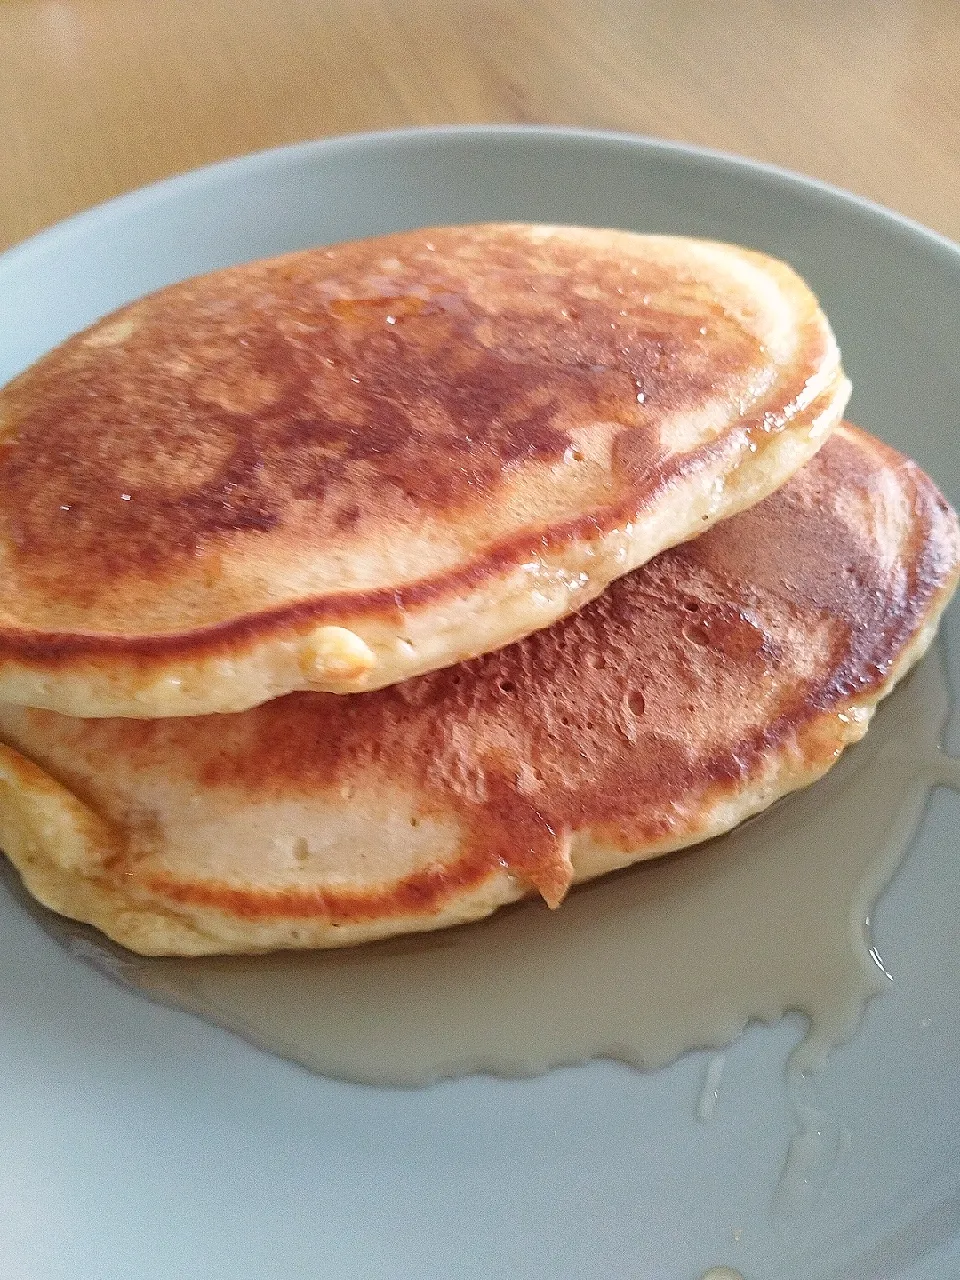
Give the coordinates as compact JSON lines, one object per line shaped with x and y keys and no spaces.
{"x":141,"y":1142}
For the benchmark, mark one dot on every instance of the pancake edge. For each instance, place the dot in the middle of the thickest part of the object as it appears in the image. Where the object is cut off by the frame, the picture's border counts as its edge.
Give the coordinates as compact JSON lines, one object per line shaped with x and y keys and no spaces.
{"x":367,"y":640}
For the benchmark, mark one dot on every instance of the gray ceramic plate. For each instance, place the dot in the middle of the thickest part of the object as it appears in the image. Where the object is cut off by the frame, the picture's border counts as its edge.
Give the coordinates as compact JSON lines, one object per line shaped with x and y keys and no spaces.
{"x":139,"y":1142}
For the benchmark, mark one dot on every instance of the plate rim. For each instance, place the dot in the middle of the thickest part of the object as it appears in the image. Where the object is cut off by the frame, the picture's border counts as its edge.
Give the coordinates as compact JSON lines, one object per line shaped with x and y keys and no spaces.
{"x":185,"y":184}
{"x":296,"y":153}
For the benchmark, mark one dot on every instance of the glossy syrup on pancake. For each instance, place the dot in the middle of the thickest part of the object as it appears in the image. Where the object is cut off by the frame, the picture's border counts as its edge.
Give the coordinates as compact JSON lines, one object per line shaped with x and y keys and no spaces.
{"x":347,"y":466}
{"x":673,"y":955}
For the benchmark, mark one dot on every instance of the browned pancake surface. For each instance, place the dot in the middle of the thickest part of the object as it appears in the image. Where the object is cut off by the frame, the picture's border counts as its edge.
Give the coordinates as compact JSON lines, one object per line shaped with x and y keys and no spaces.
{"x":261,"y":401}
{"x":381,"y":436}
{"x":744,"y":660}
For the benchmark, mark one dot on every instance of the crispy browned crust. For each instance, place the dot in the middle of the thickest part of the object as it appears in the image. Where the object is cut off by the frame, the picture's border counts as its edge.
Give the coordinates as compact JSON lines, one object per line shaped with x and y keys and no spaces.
{"x":685,"y":683}
{"x":262,"y":412}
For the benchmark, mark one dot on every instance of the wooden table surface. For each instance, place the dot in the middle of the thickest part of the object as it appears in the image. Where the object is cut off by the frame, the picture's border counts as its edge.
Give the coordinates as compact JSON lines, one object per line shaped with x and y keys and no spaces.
{"x":99,"y":96}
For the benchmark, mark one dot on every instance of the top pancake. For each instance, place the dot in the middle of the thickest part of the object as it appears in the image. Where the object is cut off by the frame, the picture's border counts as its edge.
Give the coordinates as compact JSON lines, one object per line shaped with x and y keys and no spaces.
{"x":343,"y":467}
{"x":690,"y":695}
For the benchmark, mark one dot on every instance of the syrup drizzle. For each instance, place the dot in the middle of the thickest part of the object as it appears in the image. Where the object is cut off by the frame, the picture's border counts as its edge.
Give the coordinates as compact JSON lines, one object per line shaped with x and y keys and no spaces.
{"x":641,"y":966}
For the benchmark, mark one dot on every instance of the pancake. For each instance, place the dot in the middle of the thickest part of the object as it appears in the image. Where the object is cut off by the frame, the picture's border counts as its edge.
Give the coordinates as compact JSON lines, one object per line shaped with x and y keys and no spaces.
{"x":344,"y":467}
{"x":692,"y":694}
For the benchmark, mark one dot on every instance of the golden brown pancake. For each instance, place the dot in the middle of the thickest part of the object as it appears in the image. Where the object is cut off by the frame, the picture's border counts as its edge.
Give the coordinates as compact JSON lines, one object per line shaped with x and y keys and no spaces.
{"x":693,"y":693}
{"x":341,"y":468}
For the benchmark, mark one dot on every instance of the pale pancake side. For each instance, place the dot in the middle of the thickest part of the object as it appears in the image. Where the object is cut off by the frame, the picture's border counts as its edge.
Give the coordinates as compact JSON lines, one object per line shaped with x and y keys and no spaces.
{"x":693,"y":693}
{"x":344,"y":467}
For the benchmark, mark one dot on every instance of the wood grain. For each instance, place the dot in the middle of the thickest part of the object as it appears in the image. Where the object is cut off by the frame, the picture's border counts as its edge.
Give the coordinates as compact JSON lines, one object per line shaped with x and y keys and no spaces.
{"x":99,"y":96}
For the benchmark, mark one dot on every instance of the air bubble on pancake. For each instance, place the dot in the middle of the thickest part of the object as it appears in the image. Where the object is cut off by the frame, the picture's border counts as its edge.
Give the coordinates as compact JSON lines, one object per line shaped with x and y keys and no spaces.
{"x":529,"y":781}
{"x":636,"y":704}
{"x":335,"y":653}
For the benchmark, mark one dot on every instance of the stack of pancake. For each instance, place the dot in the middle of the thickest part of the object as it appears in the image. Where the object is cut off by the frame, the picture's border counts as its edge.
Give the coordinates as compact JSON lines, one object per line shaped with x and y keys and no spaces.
{"x":363,"y":590}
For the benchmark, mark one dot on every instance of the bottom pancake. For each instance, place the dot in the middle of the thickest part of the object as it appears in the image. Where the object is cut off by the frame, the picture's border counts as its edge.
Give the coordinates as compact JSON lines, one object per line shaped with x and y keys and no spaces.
{"x":691,"y":695}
